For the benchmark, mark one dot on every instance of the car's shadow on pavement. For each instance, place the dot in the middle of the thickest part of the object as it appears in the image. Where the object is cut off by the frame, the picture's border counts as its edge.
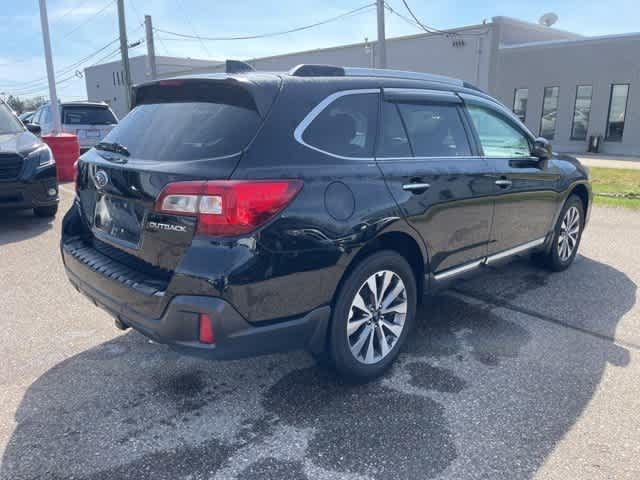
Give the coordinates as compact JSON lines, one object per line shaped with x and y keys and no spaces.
{"x":19,"y":225}
{"x":481,"y":392}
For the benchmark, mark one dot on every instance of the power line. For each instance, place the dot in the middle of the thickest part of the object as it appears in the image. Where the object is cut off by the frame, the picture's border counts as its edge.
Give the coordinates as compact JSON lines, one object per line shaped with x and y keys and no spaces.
{"x":86,"y":20}
{"x":423,"y":26}
{"x":272,"y":34}
{"x":30,"y":90}
{"x":70,"y":67}
{"x":204,"y":46}
{"x":427,"y":28}
{"x":69,"y":12}
{"x":141,"y":18}
{"x":42,"y":81}
{"x":403,"y":17}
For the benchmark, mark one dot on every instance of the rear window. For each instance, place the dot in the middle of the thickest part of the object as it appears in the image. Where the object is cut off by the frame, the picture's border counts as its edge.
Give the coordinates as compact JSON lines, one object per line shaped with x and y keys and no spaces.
{"x":85,"y":115}
{"x":181,"y":131}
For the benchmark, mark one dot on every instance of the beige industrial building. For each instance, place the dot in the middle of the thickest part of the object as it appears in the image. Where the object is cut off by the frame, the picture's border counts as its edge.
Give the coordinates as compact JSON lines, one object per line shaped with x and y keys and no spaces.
{"x":564,"y":86}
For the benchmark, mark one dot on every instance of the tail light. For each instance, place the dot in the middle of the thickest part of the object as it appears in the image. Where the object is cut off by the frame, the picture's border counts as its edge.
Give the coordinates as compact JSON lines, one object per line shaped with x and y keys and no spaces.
{"x":228,"y":207}
{"x":206,"y":334}
{"x":76,"y":180}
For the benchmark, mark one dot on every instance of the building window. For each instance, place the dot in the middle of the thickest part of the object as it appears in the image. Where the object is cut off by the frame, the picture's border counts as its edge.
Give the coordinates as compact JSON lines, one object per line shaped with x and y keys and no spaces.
{"x":520,"y":100}
{"x":617,"y":111}
{"x":581,"y":112}
{"x":114,"y":77}
{"x":549,"y":112}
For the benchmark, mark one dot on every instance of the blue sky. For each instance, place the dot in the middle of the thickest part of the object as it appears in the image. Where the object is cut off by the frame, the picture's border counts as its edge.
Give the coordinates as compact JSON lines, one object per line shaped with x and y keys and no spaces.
{"x":81,"y":27}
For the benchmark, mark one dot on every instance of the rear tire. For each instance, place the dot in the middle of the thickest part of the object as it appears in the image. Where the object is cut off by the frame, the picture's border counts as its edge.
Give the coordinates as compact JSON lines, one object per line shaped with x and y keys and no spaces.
{"x":46,"y":212}
{"x":372,"y":316}
{"x":566,"y":237}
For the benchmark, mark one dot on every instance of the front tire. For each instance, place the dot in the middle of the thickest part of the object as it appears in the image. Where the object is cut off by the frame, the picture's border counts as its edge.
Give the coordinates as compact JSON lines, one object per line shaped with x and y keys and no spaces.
{"x":374,"y":311}
{"x":566,"y":237}
{"x":46,"y":212}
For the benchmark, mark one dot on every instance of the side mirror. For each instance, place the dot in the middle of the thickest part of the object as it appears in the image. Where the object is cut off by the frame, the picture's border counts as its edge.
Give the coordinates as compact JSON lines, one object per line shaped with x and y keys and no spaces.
{"x":542,"y":149}
{"x":33,"y":128}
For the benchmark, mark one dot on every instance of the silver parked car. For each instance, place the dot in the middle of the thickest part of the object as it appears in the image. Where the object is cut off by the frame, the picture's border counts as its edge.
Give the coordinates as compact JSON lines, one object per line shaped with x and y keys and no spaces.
{"x":90,"y":121}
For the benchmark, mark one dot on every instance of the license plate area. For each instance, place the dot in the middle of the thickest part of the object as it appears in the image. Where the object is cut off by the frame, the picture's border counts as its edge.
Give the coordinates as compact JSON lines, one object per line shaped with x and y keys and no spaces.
{"x":92,"y":133}
{"x":119,"y":219}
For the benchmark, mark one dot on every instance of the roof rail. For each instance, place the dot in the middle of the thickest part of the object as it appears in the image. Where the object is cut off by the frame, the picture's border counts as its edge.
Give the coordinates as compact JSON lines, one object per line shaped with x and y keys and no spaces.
{"x":309,"y":70}
{"x":237,"y":66}
{"x":382,"y":72}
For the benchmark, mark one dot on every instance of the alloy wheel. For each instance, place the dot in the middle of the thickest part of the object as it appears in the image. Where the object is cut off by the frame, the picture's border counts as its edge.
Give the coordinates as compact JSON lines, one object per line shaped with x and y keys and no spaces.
{"x":569,"y":233}
{"x":377,"y":317}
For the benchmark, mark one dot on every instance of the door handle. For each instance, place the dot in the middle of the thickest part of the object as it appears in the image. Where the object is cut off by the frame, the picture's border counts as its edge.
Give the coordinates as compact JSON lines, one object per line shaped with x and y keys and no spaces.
{"x":415,"y":187}
{"x":503,"y":183}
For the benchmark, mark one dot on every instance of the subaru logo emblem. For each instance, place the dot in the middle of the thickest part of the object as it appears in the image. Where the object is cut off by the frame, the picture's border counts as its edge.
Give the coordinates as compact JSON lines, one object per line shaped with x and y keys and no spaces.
{"x":101,"y":179}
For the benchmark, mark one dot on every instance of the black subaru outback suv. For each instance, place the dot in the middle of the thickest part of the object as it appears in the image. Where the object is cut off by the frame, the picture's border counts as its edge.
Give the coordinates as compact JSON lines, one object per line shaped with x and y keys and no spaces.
{"x":241,"y":214}
{"x":27,"y":167}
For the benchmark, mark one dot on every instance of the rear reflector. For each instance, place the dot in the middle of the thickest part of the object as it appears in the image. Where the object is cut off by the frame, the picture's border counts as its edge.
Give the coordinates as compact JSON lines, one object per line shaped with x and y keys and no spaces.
{"x":206,"y":330}
{"x":228,"y":207}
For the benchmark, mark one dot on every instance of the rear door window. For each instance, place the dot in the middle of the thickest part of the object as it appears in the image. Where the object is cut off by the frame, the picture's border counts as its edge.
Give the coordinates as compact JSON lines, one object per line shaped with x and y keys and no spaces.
{"x":87,"y":115}
{"x":435,"y":130}
{"x":346,"y":127}
{"x":185,"y":130}
{"x":393,"y":140}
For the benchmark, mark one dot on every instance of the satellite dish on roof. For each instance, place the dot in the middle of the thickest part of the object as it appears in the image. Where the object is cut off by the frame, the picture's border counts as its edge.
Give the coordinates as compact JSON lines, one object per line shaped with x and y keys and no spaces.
{"x":548,"y":19}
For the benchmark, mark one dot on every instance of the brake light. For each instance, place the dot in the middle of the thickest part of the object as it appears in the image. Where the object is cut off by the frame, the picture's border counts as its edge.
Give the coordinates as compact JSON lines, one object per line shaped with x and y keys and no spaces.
{"x":228,"y":207}
{"x":171,"y":83}
{"x":76,"y":180}
{"x":206,"y":334}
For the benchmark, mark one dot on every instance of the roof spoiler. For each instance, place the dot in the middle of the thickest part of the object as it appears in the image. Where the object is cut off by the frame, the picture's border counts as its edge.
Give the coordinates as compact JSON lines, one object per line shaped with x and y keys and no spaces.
{"x":237,"y":66}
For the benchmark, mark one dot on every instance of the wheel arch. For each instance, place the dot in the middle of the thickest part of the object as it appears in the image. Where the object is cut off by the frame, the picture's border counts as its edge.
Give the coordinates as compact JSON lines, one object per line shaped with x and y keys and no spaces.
{"x":400,"y":241}
{"x":581,"y":191}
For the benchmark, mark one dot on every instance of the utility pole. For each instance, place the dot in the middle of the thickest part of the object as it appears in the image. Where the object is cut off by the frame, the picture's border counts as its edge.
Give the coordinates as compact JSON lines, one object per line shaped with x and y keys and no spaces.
{"x":151,"y":49}
{"x":53,"y":97}
{"x":124,"y":52}
{"x":382,"y":46}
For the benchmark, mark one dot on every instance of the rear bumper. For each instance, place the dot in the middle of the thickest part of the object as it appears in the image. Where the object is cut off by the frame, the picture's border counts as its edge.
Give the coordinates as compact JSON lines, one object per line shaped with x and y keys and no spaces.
{"x":178,"y":323}
{"x":30,"y":192}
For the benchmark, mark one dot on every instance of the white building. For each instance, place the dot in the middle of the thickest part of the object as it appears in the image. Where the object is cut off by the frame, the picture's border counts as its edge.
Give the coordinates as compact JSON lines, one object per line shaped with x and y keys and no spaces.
{"x":562,"y":84}
{"x":105,"y":82}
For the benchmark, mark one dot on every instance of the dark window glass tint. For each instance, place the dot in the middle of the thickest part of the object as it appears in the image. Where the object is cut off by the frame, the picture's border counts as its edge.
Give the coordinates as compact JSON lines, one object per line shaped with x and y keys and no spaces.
{"x":185,"y":130}
{"x":346,"y":127}
{"x":393,"y":140}
{"x":435,"y":130}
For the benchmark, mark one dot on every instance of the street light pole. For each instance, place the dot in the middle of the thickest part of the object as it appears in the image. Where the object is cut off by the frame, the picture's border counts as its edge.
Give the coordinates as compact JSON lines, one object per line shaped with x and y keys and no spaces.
{"x":53,"y":97}
{"x":151,"y":51}
{"x":124,"y":52}
{"x":381,"y":45}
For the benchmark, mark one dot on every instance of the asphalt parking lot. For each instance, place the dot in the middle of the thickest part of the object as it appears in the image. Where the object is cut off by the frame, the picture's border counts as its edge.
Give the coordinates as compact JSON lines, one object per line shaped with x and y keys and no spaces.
{"x":514,"y":374}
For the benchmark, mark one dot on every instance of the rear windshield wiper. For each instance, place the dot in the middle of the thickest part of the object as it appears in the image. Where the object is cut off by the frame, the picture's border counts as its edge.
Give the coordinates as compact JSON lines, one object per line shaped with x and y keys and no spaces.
{"x":113,"y":147}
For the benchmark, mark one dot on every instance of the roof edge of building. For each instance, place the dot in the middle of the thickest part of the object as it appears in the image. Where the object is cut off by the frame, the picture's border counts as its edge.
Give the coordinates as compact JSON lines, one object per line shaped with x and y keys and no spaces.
{"x":572,"y":41}
{"x":502,"y":19}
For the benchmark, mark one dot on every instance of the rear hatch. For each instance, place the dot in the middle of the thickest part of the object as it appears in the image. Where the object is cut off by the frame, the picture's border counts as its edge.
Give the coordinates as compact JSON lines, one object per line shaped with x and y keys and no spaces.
{"x":178,"y":130}
{"x":90,"y":123}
